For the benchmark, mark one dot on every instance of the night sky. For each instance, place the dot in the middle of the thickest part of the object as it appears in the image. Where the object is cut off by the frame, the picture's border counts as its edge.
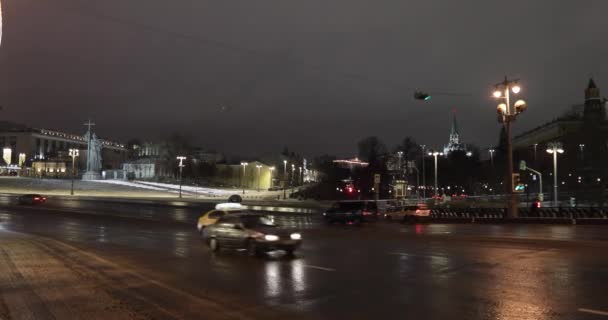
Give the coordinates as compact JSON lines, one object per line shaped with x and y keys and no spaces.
{"x":251,"y":76}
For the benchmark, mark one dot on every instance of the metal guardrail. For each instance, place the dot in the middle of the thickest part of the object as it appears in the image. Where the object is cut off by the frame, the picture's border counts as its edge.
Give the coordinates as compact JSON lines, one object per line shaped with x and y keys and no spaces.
{"x":524,"y":213}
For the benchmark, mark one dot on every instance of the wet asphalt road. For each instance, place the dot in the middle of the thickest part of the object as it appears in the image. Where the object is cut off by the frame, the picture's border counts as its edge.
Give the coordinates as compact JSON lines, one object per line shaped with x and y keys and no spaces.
{"x":383,"y":270}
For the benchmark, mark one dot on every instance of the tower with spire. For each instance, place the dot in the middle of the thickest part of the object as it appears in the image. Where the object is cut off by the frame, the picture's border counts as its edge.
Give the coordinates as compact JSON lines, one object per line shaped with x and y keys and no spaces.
{"x":594,"y":110}
{"x":454,"y":143}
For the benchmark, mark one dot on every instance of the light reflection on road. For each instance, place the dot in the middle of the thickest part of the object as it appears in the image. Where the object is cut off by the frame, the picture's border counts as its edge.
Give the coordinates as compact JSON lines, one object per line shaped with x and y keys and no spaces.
{"x":489,"y":281}
{"x":284,"y":279}
{"x":298,"y":276}
{"x":101,"y":236}
{"x":181,"y":244}
{"x":524,"y":280}
{"x":272,"y":279}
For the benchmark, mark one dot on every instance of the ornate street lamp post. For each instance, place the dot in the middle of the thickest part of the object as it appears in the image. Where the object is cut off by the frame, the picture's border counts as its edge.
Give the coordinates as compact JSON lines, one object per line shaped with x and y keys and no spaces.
{"x":506,"y":114}
{"x":73,"y":154}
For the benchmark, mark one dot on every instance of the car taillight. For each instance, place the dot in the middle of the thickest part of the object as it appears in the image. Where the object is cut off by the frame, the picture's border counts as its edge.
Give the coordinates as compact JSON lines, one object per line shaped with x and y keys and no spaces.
{"x":367,"y":213}
{"x":36,"y":198}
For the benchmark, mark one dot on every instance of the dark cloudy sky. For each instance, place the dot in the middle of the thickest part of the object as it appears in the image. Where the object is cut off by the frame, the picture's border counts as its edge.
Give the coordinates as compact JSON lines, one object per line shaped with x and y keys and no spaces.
{"x":315,"y":75}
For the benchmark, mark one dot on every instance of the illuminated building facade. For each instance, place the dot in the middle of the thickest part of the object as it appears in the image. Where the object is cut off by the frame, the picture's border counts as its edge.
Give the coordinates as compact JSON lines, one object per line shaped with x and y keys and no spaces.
{"x":23,"y":145}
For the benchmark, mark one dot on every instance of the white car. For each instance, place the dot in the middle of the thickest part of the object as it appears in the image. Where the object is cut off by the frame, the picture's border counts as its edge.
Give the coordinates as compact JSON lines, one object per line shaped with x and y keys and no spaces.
{"x":221,"y":209}
{"x":404,"y":212}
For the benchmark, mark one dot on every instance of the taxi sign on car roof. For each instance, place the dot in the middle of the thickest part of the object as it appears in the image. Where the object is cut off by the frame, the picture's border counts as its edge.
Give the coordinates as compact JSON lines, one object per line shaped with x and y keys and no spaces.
{"x":228,"y":206}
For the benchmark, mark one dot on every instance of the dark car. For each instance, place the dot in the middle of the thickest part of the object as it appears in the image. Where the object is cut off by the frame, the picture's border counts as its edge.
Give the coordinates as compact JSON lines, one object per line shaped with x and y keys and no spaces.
{"x":256,"y":233}
{"x":31,"y":199}
{"x":352,"y":212}
{"x":235,"y":198}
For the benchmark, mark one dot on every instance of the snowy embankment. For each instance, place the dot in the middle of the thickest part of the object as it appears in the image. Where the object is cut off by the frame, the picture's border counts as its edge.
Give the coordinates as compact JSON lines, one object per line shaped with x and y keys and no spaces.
{"x":191,"y":189}
{"x":130,"y":184}
{"x":157,"y":186}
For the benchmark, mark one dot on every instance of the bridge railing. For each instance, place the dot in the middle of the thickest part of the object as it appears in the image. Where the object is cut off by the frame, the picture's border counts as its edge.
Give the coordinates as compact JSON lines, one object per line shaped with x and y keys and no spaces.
{"x":564,"y":213}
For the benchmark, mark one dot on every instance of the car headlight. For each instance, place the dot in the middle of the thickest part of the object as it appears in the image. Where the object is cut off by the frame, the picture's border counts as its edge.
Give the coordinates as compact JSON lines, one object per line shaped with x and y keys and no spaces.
{"x":295,"y":236}
{"x":271,"y":237}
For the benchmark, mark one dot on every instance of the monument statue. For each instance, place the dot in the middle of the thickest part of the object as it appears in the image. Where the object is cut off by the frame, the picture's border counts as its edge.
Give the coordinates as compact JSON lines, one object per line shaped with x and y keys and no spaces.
{"x":94,"y":147}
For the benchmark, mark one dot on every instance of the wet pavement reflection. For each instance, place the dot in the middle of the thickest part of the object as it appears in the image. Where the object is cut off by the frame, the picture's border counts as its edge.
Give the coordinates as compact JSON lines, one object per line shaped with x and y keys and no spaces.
{"x":386,"y":270}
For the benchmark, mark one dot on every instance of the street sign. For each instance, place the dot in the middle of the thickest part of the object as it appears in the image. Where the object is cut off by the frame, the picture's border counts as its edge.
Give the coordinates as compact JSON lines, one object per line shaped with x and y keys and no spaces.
{"x":376,"y":178}
{"x":522,"y":165}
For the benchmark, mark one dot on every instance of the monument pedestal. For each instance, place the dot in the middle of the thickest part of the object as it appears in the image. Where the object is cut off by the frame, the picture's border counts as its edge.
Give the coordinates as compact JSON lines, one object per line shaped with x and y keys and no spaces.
{"x":91,"y":175}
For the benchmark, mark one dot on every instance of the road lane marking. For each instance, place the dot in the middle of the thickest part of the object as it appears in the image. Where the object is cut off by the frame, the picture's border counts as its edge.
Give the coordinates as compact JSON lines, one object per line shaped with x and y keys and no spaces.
{"x":319,"y":268}
{"x":592,"y":311}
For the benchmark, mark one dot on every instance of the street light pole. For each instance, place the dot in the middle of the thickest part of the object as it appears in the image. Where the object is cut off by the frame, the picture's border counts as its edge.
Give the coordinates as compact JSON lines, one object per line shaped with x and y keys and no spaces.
{"x":435,"y":154}
{"x":399,"y":154}
{"x":493,"y":171}
{"x":181,"y":167}
{"x":507,"y":114}
{"x":285,"y":170}
{"x":301,"y":178}
{"x":73,"y":153}
{"x":555,"y":148}
{"x":259,"y":167}
{"x":271,"y":174}
{"x":244,"y":165}
{"x":540,"y":183}
{"x":423,"y":174}
{"x":413,"y":166}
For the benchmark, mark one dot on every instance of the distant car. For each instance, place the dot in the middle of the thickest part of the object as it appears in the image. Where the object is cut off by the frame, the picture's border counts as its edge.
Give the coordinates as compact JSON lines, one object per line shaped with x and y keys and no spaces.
{"x":275,"y":188}
{"x":408,"y":212}
{"x":461,"y":196}
{"x":221,"y":209}
{"x":256,"y":233}
{"x":352,"y":212}
{"x":31,"y":199}
{"x":235,"y":198}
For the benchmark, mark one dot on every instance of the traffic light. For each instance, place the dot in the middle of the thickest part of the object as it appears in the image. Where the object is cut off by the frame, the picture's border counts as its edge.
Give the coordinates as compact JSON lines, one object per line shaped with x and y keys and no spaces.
{"x":517,"y":185}
{"x":419,"y":95}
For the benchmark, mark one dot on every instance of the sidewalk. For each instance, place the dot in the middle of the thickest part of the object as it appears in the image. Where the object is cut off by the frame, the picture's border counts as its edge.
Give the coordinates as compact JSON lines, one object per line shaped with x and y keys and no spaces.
{"x":43,"y":279}
{"x":36,"y":285}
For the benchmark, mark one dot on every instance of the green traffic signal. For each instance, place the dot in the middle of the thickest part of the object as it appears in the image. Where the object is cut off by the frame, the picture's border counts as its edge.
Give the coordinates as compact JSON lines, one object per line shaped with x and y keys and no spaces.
{"x":419,"y":95}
